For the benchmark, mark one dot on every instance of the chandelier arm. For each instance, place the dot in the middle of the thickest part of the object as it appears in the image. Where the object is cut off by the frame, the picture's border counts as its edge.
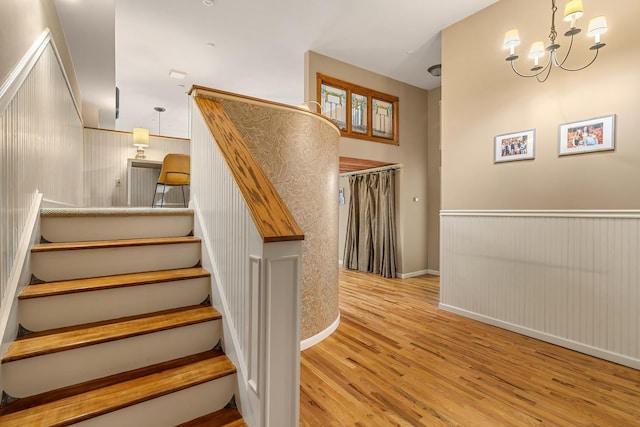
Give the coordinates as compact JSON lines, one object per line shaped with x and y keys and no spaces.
{"x":545,"y":77}
{"x":560,"y":64}
{"x":581,"y":68}
{"x":547,"y":66}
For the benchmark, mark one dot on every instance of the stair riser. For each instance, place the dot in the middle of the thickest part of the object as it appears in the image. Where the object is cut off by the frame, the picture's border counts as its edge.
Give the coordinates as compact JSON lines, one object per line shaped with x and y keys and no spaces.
{"x":82,"y":263}
{"x":47,"y":372}
{"x":172,"y":409}
{"x":38,"y":314}
{"x":76,"y":229}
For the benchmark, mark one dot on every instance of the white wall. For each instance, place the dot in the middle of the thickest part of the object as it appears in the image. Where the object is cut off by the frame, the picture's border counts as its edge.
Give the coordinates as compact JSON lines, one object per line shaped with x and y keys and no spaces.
{"x":105,"y":162}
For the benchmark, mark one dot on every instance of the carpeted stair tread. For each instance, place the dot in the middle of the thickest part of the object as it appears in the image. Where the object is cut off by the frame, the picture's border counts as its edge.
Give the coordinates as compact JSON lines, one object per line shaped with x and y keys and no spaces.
{"x":112,"y":212}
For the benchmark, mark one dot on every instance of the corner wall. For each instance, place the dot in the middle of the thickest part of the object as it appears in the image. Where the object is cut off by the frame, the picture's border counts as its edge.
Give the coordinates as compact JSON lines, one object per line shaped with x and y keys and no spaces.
{"x":412,"y":151}
{"x":545,"y":247}
{"x":105,"y":161}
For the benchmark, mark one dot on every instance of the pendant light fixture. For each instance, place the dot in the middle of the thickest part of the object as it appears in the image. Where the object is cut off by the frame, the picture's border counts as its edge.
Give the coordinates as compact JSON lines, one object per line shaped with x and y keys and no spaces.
{"x":572,"y":12}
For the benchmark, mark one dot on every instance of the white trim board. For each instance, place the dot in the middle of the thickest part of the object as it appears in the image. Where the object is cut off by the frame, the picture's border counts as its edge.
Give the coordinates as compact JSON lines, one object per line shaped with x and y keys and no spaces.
{"x":562,"y":342}
{"x":620,"y":213}
{"x":417,"y":273}
{"x":20,"y":275}
{"x":19,"y":74}
{"x":311,"y":341}
{"x":372,"y":170}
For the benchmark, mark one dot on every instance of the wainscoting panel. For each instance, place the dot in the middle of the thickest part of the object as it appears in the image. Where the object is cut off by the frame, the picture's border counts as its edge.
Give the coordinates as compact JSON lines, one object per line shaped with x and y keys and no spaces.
{"x":105,"y":163}
{"x":571,"y":278}
{"x":40,"y":147}
{"x":228,"y":228}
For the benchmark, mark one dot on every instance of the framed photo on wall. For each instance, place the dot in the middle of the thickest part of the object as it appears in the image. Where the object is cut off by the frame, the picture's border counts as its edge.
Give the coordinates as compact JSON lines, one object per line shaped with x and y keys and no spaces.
{"x":515,"y":146}
{"x":587,"y":135}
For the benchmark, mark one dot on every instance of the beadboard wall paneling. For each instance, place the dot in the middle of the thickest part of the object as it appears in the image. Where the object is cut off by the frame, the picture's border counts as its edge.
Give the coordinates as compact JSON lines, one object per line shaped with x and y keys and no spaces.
{"x":571,"y":278}
{"x":40,"y":151}
{"x":230,"y":228}
{"x":105,"y":162}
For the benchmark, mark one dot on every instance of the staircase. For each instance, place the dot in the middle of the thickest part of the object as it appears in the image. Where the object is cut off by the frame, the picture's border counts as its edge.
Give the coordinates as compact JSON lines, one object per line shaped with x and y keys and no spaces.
{"x":117,"y":328}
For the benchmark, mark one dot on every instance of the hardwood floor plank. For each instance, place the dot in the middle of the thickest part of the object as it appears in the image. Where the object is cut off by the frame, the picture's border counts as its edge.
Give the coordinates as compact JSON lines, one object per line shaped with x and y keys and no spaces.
{"x":397,"y":360}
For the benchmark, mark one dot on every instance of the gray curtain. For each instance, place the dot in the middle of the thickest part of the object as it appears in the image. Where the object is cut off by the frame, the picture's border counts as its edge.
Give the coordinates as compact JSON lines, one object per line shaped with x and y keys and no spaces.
{"x":370,"y":244}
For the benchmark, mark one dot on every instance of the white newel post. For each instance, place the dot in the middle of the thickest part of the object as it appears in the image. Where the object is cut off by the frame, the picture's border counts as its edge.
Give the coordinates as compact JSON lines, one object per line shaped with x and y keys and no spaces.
{"x":280,"y":312}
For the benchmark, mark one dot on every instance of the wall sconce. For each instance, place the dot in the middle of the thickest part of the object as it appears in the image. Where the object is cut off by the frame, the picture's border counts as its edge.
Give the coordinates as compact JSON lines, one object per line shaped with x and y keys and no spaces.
{"x":140,"y":140}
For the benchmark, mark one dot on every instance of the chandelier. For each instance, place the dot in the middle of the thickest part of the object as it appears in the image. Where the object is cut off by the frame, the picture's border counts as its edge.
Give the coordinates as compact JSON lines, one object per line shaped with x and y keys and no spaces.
{"x":572,"y":11}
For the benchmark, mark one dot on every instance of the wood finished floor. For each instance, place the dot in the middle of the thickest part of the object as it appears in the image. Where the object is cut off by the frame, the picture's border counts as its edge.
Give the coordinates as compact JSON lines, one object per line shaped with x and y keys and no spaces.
{"x":397,"y":360}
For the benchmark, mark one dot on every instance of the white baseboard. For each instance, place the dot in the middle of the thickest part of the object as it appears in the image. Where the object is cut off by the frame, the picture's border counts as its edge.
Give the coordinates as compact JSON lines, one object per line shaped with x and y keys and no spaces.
{"x":542,"y":336}
{"x":417,"y":273}
{"x":311,"y":341}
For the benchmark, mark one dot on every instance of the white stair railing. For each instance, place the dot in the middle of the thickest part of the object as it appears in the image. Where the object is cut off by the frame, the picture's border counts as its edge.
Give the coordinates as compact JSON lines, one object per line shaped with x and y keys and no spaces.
{"x":256,"y":277}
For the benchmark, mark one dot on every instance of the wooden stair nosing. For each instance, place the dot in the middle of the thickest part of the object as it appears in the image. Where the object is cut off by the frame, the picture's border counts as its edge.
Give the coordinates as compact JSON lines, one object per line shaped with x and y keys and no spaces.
{"x":104,"y":244}
{"x":71,"y":337}
{"x":116,"y":395}
{"x":226,"y":417}
{"x":64,"y":287}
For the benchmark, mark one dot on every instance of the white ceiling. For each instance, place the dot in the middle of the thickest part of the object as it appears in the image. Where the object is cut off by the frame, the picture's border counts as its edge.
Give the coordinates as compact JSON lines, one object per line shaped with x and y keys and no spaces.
{"x":259,"y":48}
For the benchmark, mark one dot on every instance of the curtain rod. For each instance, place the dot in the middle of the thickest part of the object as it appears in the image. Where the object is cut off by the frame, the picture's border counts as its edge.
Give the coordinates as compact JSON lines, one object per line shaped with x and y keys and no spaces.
{"x":372,"y":170}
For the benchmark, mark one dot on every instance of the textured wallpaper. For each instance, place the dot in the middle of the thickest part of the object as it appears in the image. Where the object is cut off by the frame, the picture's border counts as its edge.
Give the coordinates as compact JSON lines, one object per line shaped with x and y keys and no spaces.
{"x":299,"y":153}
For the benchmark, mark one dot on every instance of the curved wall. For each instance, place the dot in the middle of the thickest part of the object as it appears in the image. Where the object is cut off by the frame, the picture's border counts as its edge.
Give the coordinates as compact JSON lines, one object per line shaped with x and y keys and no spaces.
{"x":299,"y":153}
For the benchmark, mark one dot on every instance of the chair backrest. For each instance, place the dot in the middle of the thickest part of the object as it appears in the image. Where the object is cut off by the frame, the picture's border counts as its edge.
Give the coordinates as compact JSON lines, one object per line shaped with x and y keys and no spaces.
{"x":176,"y":170}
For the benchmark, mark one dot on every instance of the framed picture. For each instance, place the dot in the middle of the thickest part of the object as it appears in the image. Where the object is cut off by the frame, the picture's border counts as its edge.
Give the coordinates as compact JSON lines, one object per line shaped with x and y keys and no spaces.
{"x":587,"y":135}
{"x":515,"y":146}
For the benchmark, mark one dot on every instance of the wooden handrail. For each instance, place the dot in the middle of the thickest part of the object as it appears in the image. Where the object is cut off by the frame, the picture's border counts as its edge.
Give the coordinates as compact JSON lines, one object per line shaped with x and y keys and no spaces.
{"x":270,"y":214}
